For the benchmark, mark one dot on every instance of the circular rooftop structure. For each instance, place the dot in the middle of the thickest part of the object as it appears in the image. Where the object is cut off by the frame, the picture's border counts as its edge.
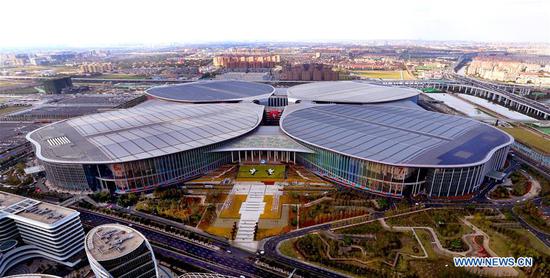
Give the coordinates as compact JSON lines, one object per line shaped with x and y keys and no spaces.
{"x":143,"y":132}
{"x":212,"y":91}
{"x":348,"y":92}
{"x":394,"y":135}
{"x":111,"y":241}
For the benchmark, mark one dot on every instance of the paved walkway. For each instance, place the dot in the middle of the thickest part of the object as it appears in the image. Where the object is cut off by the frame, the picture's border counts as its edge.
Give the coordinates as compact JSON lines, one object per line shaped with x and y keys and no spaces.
{"x":250,"y":211}
{"x":252,"y":208}
{"x":499,"y":271}
{"x":437,"y":243}
{"x":491,"y":271}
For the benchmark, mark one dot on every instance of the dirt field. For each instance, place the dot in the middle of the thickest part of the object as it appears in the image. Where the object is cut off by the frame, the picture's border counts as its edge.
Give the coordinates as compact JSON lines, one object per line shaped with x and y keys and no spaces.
{"x":384,"y":74}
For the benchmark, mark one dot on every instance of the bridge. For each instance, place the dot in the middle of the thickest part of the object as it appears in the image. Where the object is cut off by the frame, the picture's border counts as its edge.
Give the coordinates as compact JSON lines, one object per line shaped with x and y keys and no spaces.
{"x":510,"y":100}
{"x":464,"y":59}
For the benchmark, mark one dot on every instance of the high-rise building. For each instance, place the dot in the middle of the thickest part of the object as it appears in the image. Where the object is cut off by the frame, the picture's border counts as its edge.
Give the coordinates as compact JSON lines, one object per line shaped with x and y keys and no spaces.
{"x":31,"y":228}
{"x":246,"y":62}
{"x":96,"y":68}
{"x":116,"y":250}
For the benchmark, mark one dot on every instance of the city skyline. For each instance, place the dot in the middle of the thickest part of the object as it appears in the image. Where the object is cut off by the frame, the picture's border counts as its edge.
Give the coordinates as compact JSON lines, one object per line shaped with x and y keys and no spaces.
{"x":348,"y":20}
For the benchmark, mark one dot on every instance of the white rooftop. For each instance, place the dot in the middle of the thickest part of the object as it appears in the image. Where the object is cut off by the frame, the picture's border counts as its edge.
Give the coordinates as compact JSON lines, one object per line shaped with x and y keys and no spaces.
{"x":348,"y":92}
{"x":26,"y":209}
{"x":143,"y":132}
{"x":111,"y":241}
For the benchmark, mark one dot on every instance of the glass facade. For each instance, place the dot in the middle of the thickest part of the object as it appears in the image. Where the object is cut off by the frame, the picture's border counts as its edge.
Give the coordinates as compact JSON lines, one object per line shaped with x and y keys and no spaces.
{"x":139,"y":175}
{"x":383,"y":179}
{"x":397,"y":181}
{"x":378,"y":178}
{"x":536,"y":156}
{"x":70,"y":177}
{"x":150,"y":173}
{"x":138,"y":263}
{"x":451,"y":182}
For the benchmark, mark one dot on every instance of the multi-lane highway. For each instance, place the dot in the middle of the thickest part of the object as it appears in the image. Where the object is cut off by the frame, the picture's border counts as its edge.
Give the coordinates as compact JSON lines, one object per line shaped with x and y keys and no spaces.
{"x":234,"y":262}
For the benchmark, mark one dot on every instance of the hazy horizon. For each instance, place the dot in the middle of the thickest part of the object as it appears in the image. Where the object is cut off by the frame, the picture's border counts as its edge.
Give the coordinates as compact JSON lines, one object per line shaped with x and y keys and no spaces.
{"x":75,"y":24}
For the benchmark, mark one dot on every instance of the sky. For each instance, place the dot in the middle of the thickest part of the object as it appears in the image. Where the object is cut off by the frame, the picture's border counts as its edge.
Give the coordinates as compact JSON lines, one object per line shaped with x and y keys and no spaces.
{"x":78,"y":23}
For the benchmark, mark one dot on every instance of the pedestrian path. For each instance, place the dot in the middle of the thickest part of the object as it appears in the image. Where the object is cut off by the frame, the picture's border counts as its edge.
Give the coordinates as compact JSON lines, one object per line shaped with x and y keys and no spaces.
{"x":250,"y":212}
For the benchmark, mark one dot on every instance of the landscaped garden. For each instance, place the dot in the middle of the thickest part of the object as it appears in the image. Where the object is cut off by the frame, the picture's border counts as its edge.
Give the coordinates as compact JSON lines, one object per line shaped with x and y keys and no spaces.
{"x":173,"y":204}
{"x":16,"y":176}
{"x":445,"y":222}
{"x":312,"y":248}
{"x":520,"y":184}
{"x":533,"y":215}
{"x":500,"y":192}
{"x":329,"y":210}
{"x":369,"y":250}
{"x":508,"y":238}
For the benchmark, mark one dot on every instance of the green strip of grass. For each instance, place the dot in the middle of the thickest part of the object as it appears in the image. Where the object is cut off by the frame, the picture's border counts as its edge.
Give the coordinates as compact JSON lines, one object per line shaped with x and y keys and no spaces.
{"x":529,"y":138}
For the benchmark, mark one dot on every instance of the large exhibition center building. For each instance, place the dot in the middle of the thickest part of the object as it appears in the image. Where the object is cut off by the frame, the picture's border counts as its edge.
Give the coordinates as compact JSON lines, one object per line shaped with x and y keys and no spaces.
{"x":355,"y":134}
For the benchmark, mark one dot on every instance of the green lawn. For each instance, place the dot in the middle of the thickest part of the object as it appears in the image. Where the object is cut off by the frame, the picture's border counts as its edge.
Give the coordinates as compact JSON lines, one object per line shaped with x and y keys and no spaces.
{"x":534,"y":241}
{"x":426,"y":238}
{"x":431,"y":90}
{"x":287,"y":248}
{"x":262,"y":171}
{"x":545,"y":130}
{"x":529,"y":138}
{"x":22,"y":91}
{"x":11,"y":109}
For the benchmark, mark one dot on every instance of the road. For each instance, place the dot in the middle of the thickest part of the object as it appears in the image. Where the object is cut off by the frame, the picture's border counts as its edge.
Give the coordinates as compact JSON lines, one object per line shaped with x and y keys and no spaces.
{"x":271,"y":250}
{"x":237,"y":262}
{"x":545,"y":238}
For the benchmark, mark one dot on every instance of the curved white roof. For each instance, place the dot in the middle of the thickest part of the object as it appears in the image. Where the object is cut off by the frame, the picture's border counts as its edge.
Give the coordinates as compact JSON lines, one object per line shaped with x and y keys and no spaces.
{"x":348,"y":92}
{"x":269,"y":138}
{"x":212,"y":91}
{"x":143,"y":132}
{"x":395,"y":135}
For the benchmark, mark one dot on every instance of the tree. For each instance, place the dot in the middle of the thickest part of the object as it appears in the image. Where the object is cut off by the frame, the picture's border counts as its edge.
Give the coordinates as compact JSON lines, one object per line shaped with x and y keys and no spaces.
{"x":347,"y":240}
{"x":12,"y":180}
{"x":20,"y":168}
{"x":103,"y":197}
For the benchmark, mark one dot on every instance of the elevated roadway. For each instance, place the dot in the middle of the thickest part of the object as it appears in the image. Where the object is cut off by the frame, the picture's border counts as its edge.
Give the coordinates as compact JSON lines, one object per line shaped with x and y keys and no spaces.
{"x":515,"y":102}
